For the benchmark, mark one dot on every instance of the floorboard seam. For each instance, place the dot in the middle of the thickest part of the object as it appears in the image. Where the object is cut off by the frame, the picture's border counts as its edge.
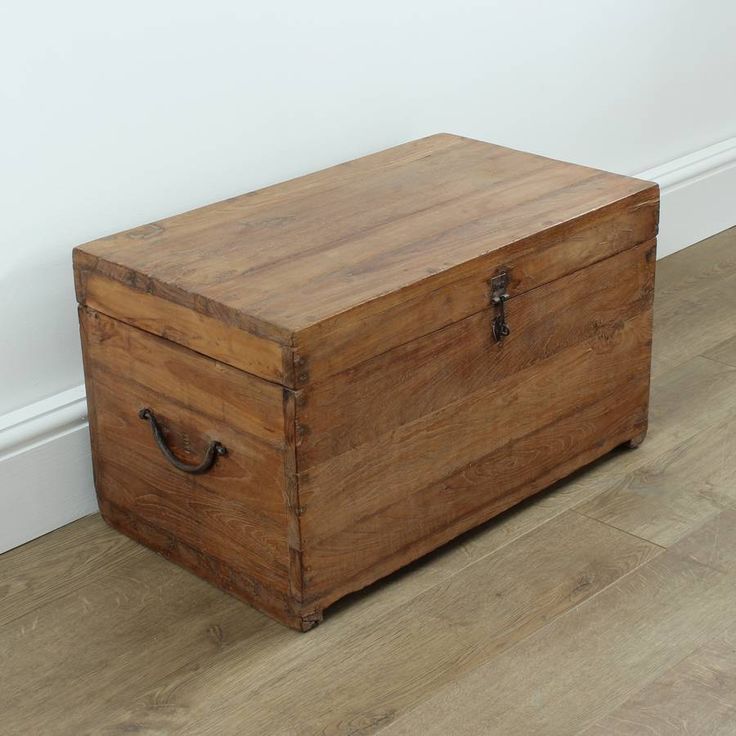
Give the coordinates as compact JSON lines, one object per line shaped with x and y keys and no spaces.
{"x":716,"y":360}
{"x":536,"y":632}
{"x":655,"y":676}
{"x":617,"y":528}
{"x":494,"y":551}
{"x":93,"y":576}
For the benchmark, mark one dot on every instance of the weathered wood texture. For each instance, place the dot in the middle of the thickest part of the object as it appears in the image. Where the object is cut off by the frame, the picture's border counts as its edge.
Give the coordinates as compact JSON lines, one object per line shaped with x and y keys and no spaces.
{"x":401,"y":456}
{"x":423,"y":442}
{"x":231,"y":524}
{"x":378,"y":506}
{"x":334,"y":333}
{"x":539,"y":622}
{"x":394,"y":388}
{"x":340,"y":265}
{"x":201,"y":332}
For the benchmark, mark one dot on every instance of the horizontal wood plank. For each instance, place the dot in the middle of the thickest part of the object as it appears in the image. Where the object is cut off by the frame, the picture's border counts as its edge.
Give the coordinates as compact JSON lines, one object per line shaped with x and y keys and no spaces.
{"x":141,"y":619}
{"x":56,"y":564}
{"x":237,"y":507}
{"x":695,"y":306}
{"x":164,"y":368}
{"x":337,"y":343}
{"x":664,"y":499}
{"x":357,"y":406}
{"x":372,"y":673}
{"x":370,"y":477}
{"x":724,"y":352}
{"x":696,"y":696}
{"x":265,"y":587}
{"x":694,"y":327}
{"x":412,"y":525}
{"x":608,"y":647}
{"x":202,"y":333}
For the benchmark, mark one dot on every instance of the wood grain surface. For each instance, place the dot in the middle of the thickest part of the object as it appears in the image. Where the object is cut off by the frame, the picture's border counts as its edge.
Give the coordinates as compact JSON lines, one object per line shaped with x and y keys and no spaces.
{"x":255,"y":354}
{"x":663,"y":499}
{"x":407,"y":527}
{"x":587,"y":662}
{"x":724,"y":352}
{"x":335,"y":335}
{"x":696,"y":306}
{"x":345,"y":263}
{"x":542,"y":621}
{"x":232,"y":523}
{"x":695,"y":696}
{"x":414,"y":460}
{"x":391,"y":389}
{"x":343,"y":670}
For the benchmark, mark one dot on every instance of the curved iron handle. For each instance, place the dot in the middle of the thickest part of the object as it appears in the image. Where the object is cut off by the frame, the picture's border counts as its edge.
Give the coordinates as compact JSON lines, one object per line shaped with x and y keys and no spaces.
{"x":214,"y":450}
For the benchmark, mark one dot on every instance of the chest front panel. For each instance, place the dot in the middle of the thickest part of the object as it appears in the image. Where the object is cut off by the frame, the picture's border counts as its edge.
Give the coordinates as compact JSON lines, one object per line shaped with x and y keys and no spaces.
{"x":421,"y":442}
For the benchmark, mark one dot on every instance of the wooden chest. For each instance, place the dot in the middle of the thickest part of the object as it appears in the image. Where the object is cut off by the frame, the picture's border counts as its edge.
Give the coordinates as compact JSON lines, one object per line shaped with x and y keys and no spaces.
{"x":297,"y":391}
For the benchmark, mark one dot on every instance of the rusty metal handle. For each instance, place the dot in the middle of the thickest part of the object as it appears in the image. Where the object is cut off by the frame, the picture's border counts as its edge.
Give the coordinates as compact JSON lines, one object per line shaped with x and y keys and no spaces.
{"x":214,"y":450}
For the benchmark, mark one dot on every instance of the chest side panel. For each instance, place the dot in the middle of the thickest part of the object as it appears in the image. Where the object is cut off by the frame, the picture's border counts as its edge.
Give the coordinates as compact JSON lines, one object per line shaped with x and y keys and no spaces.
{"x":233,"y":524}
{"x":143,"y":306}
{"x":412,"y":447}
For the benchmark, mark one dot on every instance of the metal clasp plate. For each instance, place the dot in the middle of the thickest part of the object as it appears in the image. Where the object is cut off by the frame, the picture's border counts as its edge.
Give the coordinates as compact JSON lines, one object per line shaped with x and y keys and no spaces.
{"x":499,"y":297}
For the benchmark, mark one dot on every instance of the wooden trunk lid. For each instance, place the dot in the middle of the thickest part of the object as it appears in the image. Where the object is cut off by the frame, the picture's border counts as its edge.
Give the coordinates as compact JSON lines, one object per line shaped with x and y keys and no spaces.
{"x":305,"y":279}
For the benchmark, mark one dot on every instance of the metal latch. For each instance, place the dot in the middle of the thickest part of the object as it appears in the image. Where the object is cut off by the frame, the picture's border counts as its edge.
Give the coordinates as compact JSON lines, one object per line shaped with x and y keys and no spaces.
{"x":499,"y":297}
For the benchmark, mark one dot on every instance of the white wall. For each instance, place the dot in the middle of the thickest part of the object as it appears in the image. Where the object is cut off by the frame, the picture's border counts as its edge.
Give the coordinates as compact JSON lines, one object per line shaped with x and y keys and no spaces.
{"x":116,"y":114}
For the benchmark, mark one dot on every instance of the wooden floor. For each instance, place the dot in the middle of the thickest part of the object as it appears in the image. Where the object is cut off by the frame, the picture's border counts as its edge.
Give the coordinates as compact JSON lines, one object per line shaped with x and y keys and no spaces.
{"x":605,"y":606}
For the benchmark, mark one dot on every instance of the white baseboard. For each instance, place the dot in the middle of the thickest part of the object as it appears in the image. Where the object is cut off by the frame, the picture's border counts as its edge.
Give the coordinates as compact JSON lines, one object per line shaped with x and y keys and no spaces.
{"x":45,"y":468}
{"x":698,"y":196}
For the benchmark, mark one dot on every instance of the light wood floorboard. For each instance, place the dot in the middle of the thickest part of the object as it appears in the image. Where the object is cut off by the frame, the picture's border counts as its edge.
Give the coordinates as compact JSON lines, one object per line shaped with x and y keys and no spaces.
{"x":603,"y":606}
{"x":589,"y":660}
{"x":696,"y":696}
